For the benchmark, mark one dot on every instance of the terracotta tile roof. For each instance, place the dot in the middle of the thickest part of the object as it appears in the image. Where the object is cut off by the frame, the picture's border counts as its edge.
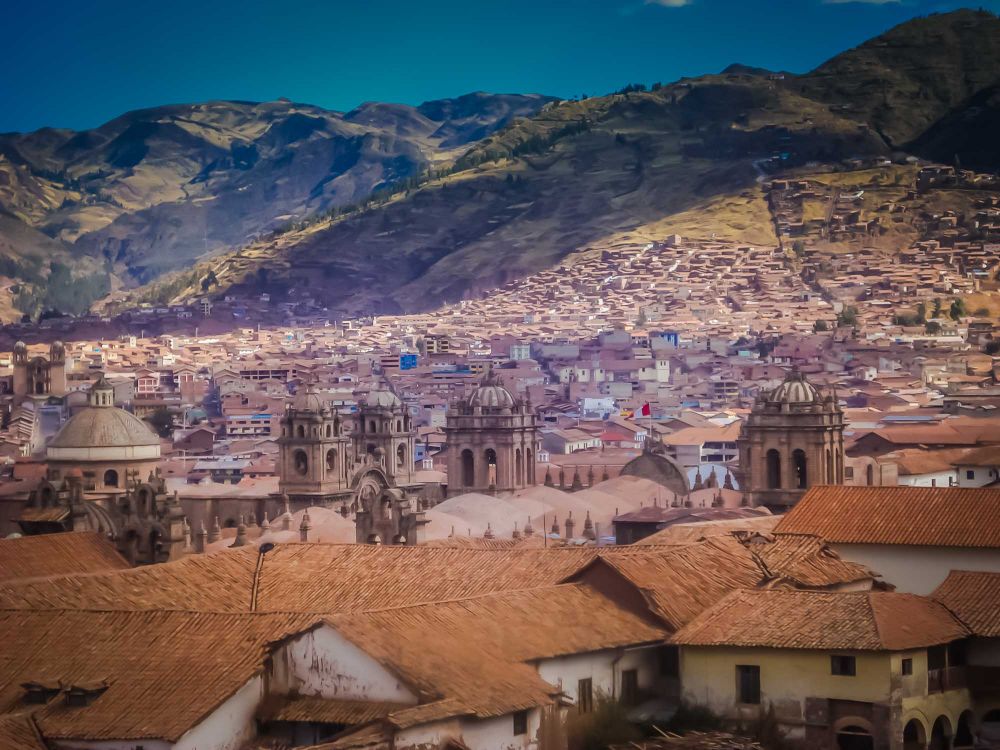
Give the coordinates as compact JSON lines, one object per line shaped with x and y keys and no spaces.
{"x":428,"y":712}
{"x":372,"y":737}
{"x":432,"y":646}
{"x":57,"y":554}
{"x":850,"y":621}
{"x":327,"y":710}
{"x":678,"y":583}
{"x":18,"y":732}
{"x":924,"y":516}
{"x":164,"y":670}
{"x":689,"y":533}
{"x":304,"y":578}
{"x":807,"y":562}
{"x":974,"y":597}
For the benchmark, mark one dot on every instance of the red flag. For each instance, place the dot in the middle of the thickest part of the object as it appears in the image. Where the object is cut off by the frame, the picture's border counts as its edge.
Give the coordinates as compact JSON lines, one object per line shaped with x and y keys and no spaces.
{"x":645,"y":410}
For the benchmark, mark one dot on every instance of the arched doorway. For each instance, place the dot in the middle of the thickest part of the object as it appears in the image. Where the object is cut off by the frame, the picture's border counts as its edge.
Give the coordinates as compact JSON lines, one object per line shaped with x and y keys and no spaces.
{"x":401,"y":457}
{"x":941,"y":734}
{"x":914,"y":735}
{"x":854,"y":737}
{"x":773,"y":459}
{"x":468,"y":469}
{"x":963,"y":732}
{"x":111,"y":478}
{"x":799,"y":463}
{"x":830,"y":476}
{"x":490,"y":456}
{"x":331,"y":460}
{"x":870,"y":475}
{"x":518,"y":468}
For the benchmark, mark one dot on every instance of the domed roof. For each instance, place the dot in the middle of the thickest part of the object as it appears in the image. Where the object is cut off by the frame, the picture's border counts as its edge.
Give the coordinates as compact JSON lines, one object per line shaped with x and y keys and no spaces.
{"x":306,"y":399}
{"x":104,"y":427}
{"x":795,"y":390}
{"x":491,"y":396}
{"x":381,"y":398}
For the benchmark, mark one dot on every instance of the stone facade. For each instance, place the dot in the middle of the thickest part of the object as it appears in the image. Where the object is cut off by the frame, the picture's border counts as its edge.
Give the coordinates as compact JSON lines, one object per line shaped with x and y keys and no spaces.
{"x":492,"y":442}
{"x":792,"y":440}
{"x":39,"y":377}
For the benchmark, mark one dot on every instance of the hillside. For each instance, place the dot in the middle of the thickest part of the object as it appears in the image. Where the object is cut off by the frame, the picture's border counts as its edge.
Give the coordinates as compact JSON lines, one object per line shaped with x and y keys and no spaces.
{"x":906,"y":79}
{"x":391,"y":208}
{"x":156,"y":189}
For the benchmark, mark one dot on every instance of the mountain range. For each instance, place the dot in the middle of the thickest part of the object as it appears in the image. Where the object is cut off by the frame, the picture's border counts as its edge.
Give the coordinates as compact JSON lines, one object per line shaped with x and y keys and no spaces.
{"x":393,"y":208}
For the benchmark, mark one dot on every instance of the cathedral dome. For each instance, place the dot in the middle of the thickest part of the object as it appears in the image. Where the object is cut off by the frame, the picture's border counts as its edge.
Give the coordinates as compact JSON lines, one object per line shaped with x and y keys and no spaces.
{"x":491,"y":397}
{"x":795,"y":390}
{"x":103,"y":425}
{"x":382,"y":399}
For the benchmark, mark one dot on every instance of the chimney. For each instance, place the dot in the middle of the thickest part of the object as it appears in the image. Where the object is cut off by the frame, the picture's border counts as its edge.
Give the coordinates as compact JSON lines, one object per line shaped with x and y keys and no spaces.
{"x":215,"y":532}
{"x":570,"y":524}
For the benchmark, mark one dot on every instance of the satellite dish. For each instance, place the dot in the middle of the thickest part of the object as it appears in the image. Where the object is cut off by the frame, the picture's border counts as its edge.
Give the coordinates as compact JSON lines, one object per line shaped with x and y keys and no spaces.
{"x":266,"y":547}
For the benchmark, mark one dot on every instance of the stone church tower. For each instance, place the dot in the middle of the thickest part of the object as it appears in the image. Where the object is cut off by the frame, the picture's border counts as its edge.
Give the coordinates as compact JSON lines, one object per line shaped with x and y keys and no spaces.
{"x":315,"y":460}
{"x":39,"y":377}
{"x":383,"y":432}
{"x":792,"y":440}
{"x":492,"y":441}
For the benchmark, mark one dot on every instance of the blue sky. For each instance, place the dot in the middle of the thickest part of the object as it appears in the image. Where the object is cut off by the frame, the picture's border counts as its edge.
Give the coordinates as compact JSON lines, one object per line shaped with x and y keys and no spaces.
{"x":78,"y":63}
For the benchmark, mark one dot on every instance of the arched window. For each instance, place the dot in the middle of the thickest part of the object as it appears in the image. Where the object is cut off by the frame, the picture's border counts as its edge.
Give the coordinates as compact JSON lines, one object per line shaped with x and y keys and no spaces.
{"x":468,"y":469}
{"x":799,"y":462}
{"x":301,"y":431}
{"x":399,"y":425}
{"x":529,"y":462}
{"x":491,"y":466}
{"x":518,"y":467}
{"x":401,"y":456}
{"x":301,"y":462}
{"x":914,"y":735}
{"x":111,"y":478}
{"x":331,"y":460}
{"x":371,"y":426}
{"x":329,"y":430}
{"x":370,"y":450}
{"x":870,"y":475}
{"x":831,"y":477}
{"x":773,"y":469}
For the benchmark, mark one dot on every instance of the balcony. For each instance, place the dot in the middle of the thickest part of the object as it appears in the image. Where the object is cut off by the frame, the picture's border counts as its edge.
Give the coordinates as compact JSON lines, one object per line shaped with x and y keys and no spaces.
{"x":980,"y":680}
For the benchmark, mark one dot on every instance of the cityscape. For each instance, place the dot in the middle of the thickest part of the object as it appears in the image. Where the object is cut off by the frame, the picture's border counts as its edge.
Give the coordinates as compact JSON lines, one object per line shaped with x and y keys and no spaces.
{"x":661,"y":418}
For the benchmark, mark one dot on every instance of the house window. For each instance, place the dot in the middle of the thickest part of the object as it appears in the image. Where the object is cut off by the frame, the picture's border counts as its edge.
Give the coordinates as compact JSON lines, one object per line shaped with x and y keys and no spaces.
{"x":845,"y":666}
{"x":669,"y":658}
{"x":848,"y":472}
{"x":907,"y":666}
{"x":520,"y":723}
{"x":748,"y":683}
{"x":630,"y":687}
{"x":585,"y":696}
{"x":970,"y":474}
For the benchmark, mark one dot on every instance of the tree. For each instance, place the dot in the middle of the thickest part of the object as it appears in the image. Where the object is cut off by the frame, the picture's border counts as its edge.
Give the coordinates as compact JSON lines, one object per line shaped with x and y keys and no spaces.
{"x":933,"y":327}
{"x":936,"y":313}
{"x":798,"y":247}
{"x":992,"y":347}
{"x":819,"y":326}
{"x":162,"y":421}
{"x":957,"y":309}
{"x":981,"y":312}
{"x":848,"y":317}
{"x":209,"y":281}
{"x":921,"y":313}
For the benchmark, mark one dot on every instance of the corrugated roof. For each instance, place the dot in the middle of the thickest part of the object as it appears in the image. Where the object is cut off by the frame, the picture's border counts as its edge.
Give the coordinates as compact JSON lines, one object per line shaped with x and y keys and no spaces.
{"x":923,"y":516}
{"x":57,"y":554}
{"x":848,"y":621}
{"x":974,"y":597}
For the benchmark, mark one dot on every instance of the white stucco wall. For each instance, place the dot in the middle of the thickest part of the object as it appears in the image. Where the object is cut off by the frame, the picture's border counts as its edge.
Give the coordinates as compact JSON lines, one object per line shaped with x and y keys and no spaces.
{"x":323,"y":662}
{"x":918,"y":570}
{"x":498,"y":733}
{"x":565,"y":672}
{"x":931,"y":479}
